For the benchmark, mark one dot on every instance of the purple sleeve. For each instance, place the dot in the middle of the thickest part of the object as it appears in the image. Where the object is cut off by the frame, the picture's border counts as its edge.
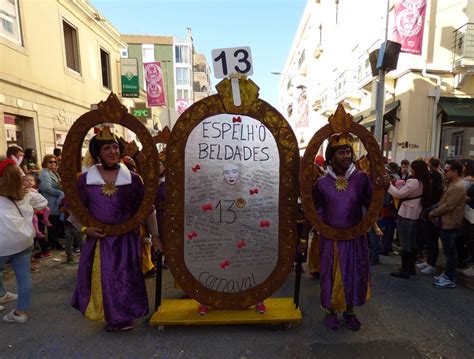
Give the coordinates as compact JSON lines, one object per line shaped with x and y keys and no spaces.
{"x":318,"y":198}
{"x":138,"y":190}
{"x":82,"y":189}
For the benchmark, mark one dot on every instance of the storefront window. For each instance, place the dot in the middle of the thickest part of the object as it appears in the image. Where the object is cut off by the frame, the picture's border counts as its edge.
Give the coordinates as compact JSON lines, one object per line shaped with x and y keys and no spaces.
{"x":13,"y":131}
{"x":456,"y":142}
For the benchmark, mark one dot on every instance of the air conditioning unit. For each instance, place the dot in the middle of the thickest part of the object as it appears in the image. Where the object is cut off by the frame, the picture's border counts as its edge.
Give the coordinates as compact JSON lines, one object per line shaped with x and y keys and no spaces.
{"x":317,"y":52}
{"x":124,"y":53}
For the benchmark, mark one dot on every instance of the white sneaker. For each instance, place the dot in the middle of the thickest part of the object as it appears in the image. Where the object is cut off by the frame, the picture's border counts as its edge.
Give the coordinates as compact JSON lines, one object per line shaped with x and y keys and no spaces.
{"x":14,"y":318}
{"x":469,"y":272}
{"x":428,"y":270}
{"x":438,"y":277}
{"x":8,"y":297}
{"x":444,"y":282}
{"x":422,"y":265}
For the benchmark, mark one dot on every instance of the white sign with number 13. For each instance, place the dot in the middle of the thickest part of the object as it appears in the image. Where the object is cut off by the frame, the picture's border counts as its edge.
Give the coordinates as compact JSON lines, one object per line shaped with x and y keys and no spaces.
{"x":232,"y":60}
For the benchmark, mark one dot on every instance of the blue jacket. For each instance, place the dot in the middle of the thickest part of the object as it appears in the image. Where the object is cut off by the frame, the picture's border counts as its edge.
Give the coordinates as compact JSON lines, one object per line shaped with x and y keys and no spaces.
{"x":50,"y":188}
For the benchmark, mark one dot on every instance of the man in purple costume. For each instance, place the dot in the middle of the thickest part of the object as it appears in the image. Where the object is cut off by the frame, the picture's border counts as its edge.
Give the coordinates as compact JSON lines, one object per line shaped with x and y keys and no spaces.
{"x":339,"y":198}
{"x":110,"y":285}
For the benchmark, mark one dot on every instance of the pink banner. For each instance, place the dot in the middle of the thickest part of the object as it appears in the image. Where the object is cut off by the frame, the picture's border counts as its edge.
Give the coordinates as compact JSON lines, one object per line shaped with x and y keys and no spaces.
{"x":409,"y":24}
{"x":302,"y":110}
{"x":154,"y":84}
{"x":182,"y":105}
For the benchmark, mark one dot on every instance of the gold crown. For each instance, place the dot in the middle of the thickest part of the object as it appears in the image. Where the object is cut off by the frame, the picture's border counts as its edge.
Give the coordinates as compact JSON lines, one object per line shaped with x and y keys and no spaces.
{"x":340,"y":121}
{"x":105,"y":135}
{"x":340,"y":139}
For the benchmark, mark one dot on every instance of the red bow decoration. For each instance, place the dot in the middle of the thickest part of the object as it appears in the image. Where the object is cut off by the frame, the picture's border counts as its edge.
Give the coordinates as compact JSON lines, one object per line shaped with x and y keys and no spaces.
{"x":225,"y":264}
{"x":207,"y":207}
{"x":192,"y":234}
{"x":253,"y":191}
{"x":4,"y":165}
{"x":236,"y":119}
{"x":195,"y":168}
{"x":241,"y":244}
{"x":264,"y":224}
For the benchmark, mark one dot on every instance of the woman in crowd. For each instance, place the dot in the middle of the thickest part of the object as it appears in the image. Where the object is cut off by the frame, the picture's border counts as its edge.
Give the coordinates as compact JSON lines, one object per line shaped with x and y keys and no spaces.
{"x":29,"y":165}
{"x":16,"y":220}
{"x":414,"y":195}
{"x":50,"y":187}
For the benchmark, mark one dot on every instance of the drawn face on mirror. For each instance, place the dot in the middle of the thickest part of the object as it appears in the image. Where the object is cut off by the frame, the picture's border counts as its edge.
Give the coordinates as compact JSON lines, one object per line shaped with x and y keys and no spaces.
{"x":231,"y":173}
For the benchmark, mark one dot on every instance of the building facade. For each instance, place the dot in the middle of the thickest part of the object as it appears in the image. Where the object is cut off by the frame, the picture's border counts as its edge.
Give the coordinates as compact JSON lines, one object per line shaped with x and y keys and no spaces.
{"x":428,"y":98}
{"x":182,"y":69}
{"x":57,"y":58}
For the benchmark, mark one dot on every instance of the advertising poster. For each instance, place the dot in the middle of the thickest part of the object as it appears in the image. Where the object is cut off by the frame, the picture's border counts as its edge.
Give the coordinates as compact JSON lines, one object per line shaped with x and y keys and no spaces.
{"x":154,"y":84}
{"x":409,"y":24}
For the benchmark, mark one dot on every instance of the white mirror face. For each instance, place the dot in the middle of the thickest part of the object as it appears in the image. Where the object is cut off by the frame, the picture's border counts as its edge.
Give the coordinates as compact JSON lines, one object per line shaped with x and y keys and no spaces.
{"x":231,"y":173}
{"x":231,"y":199}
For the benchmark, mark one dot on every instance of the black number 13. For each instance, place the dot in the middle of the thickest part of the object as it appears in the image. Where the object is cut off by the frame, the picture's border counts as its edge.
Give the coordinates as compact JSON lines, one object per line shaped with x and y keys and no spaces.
{"x":243,"y":61}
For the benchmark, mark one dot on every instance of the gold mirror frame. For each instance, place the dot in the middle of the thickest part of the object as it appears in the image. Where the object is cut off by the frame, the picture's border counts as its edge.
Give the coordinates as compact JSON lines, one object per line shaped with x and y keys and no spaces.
{"x":342,"y":122}
{"x":110,"y":111}
{"x":252,"y":106}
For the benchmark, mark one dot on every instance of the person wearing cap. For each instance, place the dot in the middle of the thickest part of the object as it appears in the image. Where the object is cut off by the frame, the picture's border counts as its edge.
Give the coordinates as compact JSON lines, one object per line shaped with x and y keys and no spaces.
{"x":339,"y":197}
{"x":110,"y":285}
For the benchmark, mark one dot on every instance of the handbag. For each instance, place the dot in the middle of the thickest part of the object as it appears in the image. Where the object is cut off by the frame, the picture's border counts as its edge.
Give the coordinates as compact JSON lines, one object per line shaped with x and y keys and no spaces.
{"x":17,"y":231}
{"x":469,"y":214}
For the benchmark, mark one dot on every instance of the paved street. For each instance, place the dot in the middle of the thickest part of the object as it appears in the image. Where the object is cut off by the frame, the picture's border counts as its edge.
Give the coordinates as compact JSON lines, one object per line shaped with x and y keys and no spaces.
{"x":405,"y":319}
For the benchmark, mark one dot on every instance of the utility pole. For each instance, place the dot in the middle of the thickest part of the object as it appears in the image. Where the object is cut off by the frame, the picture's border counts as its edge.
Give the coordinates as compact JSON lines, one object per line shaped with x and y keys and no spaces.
{"x":380,"y":99}
{"x":167,"y":92}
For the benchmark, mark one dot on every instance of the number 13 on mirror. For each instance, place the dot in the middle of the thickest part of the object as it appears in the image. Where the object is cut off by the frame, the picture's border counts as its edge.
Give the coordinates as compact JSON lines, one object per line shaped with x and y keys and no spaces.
{"x":232,"y":60}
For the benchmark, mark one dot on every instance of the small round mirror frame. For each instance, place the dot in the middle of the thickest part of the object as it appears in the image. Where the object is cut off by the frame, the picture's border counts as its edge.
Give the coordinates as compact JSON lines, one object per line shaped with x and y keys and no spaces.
{"x":342,"y":123}
{"x":110,"y":111}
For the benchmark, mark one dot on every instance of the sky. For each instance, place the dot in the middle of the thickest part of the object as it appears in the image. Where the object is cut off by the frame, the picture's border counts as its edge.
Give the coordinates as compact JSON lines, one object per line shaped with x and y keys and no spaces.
{"x":268,"y":27}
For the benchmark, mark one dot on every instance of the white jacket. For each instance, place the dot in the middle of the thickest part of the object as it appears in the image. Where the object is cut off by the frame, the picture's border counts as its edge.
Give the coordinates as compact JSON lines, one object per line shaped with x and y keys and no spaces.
{"x":17,"y":231}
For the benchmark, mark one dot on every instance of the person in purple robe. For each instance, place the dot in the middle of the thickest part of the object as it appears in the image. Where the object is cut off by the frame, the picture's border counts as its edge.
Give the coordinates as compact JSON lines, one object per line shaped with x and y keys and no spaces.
{"x":339,"y":197}
{"x":110,"y":285}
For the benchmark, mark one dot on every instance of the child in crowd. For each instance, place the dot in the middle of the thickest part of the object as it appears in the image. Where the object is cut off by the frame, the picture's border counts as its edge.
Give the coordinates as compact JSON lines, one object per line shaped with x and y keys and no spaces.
{"x":29,"y":182}
{"x":398,"y":184}
{"x":72,"y":234}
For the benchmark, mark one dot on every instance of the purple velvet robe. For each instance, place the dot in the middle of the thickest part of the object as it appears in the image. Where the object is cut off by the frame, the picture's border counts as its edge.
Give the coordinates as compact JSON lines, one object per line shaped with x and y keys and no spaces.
{"x":341,"y":210}
{"x":123,"y":286}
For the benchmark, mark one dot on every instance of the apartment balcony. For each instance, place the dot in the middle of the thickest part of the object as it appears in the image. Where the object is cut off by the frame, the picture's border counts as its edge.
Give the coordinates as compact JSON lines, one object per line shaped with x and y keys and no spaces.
{"x":201,"y":68}
{"x":463,"y":48}
{"x":346,"y":86}
{"x":200,"y":88}
{"x":364,"y":70}
{"x":325,"y":102}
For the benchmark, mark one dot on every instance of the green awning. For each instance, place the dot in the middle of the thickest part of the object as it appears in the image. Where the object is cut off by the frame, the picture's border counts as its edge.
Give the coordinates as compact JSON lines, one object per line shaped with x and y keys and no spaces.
{"x":368,"y":116}
{"x":458,"y":109}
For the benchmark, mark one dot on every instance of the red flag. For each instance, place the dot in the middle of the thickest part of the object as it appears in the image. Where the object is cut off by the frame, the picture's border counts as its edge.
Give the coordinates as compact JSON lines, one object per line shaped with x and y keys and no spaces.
{"x":409,"y":24}
{"x":154,"y":84}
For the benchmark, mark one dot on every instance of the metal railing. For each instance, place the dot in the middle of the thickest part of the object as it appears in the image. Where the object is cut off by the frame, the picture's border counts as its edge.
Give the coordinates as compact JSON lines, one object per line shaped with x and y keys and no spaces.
{"x":346,"y":83}
{"x":463,"y":46}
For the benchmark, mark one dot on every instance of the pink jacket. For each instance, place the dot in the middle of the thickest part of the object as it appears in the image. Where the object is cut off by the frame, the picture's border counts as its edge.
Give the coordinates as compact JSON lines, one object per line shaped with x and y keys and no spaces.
{"x":409,"y":209}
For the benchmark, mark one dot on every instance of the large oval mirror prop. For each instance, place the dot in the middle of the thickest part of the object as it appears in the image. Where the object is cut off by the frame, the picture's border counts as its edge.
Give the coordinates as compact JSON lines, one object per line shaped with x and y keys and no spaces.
{"x":230,"y":227}
{"x":339,"y":122}
{"x":110,"y":111}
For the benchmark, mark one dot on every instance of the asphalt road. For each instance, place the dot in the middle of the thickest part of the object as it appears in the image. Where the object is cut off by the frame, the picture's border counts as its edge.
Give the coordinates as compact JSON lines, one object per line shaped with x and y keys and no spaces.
{"x":404,"y":319}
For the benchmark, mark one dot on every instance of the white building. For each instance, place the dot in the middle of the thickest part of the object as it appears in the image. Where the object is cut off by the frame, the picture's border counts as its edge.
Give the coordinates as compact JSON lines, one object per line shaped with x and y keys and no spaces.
{"x":426,"y":96}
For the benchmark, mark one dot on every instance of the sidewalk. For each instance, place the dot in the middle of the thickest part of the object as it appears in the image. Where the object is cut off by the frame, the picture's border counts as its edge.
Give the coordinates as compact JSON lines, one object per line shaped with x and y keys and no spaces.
{"x":464,"y":277}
